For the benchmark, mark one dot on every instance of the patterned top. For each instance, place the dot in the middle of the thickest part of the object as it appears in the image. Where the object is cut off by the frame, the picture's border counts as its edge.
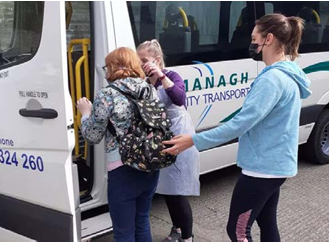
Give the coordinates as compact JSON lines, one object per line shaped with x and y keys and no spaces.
{"x":111,"y":105}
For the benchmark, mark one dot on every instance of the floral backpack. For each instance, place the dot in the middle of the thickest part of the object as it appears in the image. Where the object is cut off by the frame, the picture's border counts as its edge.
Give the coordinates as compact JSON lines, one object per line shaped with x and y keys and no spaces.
{"x":141,"y":146}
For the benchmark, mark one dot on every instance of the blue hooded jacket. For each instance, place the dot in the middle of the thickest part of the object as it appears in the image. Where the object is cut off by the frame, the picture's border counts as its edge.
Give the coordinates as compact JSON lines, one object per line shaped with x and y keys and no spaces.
{"x":268,"y":123}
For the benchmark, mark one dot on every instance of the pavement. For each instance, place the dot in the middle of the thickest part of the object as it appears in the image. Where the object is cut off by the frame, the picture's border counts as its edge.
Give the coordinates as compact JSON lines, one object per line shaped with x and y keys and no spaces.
{"x":303,"y":214}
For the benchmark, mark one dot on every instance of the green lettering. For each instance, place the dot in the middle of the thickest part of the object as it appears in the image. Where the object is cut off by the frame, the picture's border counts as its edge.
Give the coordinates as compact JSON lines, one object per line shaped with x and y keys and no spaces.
{"x":244,"y":77}
{"x":197,"y":84}
{"x":233,"y":79}
{"x":186,"y":85}
{"x":221,"y":81}
{"x":209,"y":82}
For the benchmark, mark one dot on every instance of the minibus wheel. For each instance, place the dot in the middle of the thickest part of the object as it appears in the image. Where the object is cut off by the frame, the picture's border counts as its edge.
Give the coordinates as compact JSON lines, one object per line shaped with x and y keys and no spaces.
{"x":318,"y":143}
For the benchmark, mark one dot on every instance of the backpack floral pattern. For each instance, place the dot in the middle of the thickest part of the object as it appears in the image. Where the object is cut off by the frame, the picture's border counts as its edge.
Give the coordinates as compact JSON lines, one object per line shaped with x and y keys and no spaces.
{"x":141,"y":145}
{"x":112,"y":107}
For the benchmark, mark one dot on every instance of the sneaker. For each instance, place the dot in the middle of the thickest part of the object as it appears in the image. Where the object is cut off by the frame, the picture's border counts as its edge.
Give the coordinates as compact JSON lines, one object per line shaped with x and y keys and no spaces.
{"x":174,"y":236}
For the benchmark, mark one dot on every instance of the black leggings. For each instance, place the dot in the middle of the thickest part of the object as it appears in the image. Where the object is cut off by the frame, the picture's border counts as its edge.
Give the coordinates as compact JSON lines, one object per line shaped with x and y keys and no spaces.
{"x":181,"y":214}
{"x":254,"y":199}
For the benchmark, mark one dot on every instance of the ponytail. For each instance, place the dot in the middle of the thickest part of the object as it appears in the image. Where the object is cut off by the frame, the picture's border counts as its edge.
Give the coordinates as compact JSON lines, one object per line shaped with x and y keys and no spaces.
{"x":287,"y":30}
{"x":297,"y":26}
{"x":154,"y":48}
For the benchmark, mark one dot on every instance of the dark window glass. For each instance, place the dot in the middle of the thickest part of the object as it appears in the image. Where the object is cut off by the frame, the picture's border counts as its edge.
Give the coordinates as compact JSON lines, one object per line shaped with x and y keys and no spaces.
{"x":77,"y":22}
{"x":20,"y":28}
{"x":194,"y":31}
{"x":315,"y":37}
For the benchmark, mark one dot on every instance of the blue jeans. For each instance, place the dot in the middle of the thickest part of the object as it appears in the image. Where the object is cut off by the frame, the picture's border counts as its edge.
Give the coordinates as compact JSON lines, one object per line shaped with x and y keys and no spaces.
{"x":130,"y":194}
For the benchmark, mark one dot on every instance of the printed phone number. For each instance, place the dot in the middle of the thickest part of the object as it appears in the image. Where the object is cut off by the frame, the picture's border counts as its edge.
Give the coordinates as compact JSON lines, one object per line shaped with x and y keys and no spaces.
{"x":29,"y":162}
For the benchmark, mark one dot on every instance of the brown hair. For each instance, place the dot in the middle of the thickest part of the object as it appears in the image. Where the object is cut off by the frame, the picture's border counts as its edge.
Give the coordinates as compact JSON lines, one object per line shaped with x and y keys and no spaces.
{"x":287,"y":30}
{"x":122,"y":63}
{"x":153,"y":47}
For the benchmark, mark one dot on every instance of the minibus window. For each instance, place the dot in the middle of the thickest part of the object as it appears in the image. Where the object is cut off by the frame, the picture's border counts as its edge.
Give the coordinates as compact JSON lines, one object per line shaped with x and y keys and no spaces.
{"x":196,"y":30}
{"x":315,"y":36}
{"x":6,"y":24}
{"x":20,"y":27}
{"x":237,"y":16}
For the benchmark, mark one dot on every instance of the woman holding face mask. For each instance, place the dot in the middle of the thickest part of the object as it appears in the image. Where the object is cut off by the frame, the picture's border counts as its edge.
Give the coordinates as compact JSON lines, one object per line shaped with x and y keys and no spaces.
{"x":267,"y":127}
{"x":182,"y":179}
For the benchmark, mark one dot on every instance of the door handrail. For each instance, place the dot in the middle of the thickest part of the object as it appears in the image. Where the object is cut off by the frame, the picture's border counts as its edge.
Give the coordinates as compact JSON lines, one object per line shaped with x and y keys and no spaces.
{"x":76,"y":85}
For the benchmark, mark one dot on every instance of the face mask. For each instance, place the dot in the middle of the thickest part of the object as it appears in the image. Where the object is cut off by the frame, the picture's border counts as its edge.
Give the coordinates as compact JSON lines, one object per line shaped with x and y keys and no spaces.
{"x":253,"y":51}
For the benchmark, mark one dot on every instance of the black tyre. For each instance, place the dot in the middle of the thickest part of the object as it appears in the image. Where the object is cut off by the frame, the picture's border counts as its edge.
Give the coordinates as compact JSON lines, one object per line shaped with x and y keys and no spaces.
{"x":317,"y":147}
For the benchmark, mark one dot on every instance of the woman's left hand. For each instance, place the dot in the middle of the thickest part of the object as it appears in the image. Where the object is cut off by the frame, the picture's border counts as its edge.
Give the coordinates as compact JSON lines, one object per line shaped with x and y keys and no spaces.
{"x":180,"y":143}
{"x":152,"y":70}
{"x":84,"y":106}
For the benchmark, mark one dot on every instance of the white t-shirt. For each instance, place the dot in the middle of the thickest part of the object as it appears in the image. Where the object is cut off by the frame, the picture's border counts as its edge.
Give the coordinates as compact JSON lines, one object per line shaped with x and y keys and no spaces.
{"x":261,"y":175}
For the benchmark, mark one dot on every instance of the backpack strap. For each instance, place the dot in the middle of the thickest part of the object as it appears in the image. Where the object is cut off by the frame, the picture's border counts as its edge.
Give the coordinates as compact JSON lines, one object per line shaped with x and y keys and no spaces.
{"x":135,"y":102}
{"x":130,"y":97}
{"x":111,"y":129}
{"x":110,"y":126}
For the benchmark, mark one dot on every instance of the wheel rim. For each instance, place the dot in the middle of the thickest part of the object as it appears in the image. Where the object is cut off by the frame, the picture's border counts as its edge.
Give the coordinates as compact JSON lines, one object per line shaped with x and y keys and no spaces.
{"x":325,"y":139}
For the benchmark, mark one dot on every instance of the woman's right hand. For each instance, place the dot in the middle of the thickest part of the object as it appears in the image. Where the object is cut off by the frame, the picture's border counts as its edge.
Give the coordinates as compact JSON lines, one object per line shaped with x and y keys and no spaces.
{"x":180,"y":143}
{"x":84,"y":106}
{"x":152,"y":70}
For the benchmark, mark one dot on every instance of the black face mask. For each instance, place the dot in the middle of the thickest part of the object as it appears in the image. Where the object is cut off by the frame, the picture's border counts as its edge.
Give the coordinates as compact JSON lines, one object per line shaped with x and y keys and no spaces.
{"x":253,"y":51}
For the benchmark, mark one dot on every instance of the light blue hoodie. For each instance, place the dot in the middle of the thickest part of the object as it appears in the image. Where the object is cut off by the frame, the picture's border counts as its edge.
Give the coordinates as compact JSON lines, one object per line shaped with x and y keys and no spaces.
{"x":268,"y":123}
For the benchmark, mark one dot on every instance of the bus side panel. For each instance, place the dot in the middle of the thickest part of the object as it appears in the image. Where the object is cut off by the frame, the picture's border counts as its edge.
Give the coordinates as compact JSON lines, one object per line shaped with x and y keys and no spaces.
{"x":39,"y":198}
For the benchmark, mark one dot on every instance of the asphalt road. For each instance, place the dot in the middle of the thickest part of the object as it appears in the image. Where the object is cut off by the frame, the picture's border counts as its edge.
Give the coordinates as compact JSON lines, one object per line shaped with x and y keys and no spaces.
{"x":303,"y":214}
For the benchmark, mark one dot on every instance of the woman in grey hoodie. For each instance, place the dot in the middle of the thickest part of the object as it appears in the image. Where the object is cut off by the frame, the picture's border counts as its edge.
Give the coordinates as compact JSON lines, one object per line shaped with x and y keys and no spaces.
{"x":267,"y":127}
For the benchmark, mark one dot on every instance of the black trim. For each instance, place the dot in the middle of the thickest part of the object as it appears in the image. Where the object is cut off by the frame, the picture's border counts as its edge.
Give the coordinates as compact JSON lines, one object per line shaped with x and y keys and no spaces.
{"x":94,"y":212}
{"x":233,"y":141}
{"x":35,"y":222}
{"x":310,"y":114}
